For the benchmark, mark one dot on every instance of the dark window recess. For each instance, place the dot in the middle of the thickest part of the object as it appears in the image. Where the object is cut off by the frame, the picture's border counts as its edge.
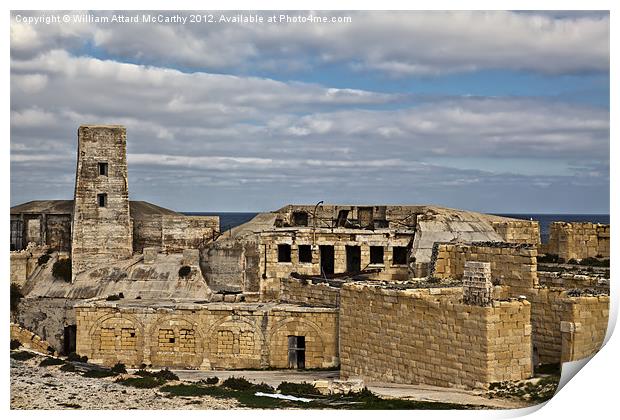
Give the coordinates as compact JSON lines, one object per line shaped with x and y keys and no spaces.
{"x":342,"y":218}
{"x":171,"y":340}
{"x":376,"y":255}
{"x":354,"y":258}
{"x":399,"y":255}
{"x":284,"y":253}
{"x":17,"y":234}
{"x":103,"y":168}
{"x":305,"y":254}
{"x":102,"y":200}
{"x":296,"y":352}
{"x":327,"y":259}
{"x":300,"y":218}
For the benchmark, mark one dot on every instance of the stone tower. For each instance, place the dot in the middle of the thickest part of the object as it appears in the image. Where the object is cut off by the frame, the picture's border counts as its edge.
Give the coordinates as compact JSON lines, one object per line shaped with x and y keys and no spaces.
{"x":101,"y":231}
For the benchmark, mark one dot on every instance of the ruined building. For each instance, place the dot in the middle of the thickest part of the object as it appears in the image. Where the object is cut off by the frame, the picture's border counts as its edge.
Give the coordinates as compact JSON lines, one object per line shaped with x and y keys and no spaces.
{"x":407,"y":294}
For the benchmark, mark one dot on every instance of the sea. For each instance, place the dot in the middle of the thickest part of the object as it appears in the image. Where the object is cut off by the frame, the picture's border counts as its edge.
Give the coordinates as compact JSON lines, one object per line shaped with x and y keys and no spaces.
{"x":229,"y":220}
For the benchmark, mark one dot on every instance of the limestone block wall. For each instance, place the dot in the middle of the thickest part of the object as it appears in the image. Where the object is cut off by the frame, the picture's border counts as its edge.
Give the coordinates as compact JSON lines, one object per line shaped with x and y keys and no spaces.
{"x":227,"y":336}
{"x":47,"y":318}
{"x":572,"y":281}
{"x":578,"y":240}
{"x":306,"y":293}
{"x":30,"y":340}
{"x":511,"y":264}
{"x":567,"y":328}
{"x":426,"y":336}
{"x":19,"y":267}
{"x":518,"y":231}
{"x":584,"y":333}
{"x":101,"y":234}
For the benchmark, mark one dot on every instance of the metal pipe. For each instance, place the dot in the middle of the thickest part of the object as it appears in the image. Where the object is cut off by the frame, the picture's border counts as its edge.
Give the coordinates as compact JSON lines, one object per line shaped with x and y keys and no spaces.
{"x":314,"y":223}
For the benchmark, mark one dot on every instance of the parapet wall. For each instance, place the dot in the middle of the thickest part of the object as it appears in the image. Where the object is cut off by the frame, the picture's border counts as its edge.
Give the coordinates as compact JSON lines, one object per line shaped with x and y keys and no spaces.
{"x":511,"y":264}
{"x":578,"y":240}
{"x":427,"y":336}
{"x":191,"y":336}
{"x":306,"y":293}
{"x":518,"y":231}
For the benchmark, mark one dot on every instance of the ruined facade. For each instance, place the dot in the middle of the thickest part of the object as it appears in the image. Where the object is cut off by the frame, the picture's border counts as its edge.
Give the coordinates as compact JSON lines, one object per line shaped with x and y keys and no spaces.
{"x":578,"y":240}
{"x":407,"y":294}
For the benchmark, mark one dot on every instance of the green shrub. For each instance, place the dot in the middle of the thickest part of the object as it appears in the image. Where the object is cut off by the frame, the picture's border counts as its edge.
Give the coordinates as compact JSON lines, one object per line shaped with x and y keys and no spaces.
{"x":303,"y":388}
{"x":238,"y":384}
{"x":61,"y":270}
{"x":68,"y":367}
{"x":51,"y":361}
{"x":16,"y":296}
{"x":594,"y":262}
{"x":22,"y":355}
{"x":15,"y":344}
{"x":113,"y":297}
{"x":185,"y":271}
{"x":548,"y":258}
{"x":572,"y":261}
{"x":74,"y":357}
{"x":43,"y":259}
{"x":166,"y":375}
{"x":99,"y":373}
{"x":119,"y":368}
{"x":142,"y":382}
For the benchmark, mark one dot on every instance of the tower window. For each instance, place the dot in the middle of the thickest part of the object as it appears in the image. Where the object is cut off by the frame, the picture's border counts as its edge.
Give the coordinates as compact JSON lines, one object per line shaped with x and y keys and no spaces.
{"x":103,"y":168}
{"x":102,"y":200}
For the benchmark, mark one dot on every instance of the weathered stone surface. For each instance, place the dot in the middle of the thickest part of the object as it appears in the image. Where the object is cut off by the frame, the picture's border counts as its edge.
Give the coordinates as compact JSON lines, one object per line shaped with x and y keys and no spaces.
{"x":102,"y":230}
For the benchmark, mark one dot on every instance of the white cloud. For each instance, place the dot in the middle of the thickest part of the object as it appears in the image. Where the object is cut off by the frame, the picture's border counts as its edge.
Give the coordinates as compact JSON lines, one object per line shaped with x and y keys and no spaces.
{"x":396,"y":43}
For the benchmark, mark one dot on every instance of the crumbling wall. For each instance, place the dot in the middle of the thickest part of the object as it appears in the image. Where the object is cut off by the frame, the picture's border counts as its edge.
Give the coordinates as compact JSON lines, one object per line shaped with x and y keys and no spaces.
{"x":427,"y":336}
{"x":274,"y":269}
{"x":303,"y":292}
{"x":58,"y":231}
{"x":47,"y":317}
{"x":30,"y":340}
{"x":19,"y":267}
{"x":102,"y":230}
{"x":230,"y":336}
{"x":511,"y":264}
{"x":518,"y":231}
{"x":174,"y":233}
{"x":183,"y":232}
{"x":578,"y":240}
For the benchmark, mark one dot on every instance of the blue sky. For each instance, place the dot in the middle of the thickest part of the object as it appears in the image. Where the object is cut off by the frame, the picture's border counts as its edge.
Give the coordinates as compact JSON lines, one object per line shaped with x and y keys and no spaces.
{"x":488,"y":111}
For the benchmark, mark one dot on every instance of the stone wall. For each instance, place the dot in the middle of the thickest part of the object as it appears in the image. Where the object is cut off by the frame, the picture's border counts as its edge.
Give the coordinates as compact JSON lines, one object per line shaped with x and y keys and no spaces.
{"x":584,"y":333}
{"x":578,"y":240}
{"x":19,"y":267}
{"x":339,"y":239}
{"x":101,"y":233}
{"x":30,"y":340}
{"x":426,"y":336}
{"x":172,"y":233}
{"x":47,"y":318}
{"x":227,"y":336}
{"x":511,"y":264}
{"x":231,"y":265}
{"x":306,"y":293}
{"x":518,"y":231}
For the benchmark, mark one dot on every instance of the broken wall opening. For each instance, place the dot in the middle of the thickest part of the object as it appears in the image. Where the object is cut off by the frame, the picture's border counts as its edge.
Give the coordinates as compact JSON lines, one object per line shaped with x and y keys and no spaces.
{"x":296,"y":352}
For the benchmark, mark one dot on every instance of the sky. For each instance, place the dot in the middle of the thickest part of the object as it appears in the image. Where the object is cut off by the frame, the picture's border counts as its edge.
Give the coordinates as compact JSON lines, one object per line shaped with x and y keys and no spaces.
{"x":502,"y":112}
